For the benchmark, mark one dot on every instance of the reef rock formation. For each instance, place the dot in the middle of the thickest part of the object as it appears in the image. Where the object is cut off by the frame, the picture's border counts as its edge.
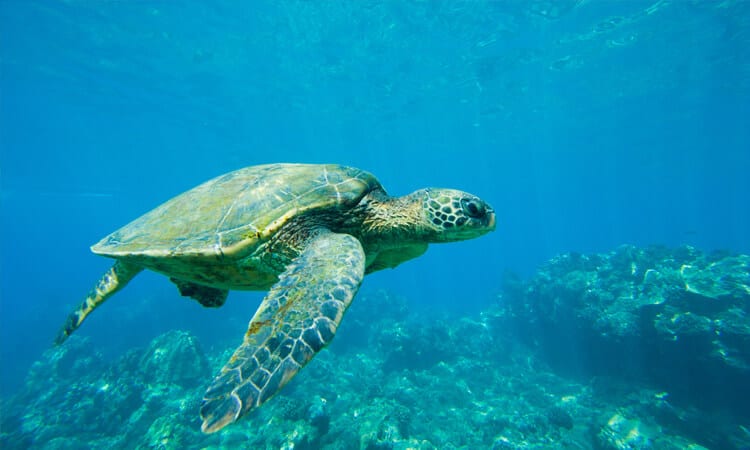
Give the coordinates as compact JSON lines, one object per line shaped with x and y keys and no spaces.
{"x":73,"y":398}
{"x":401,"y":376}
{"x":175,"y":357}
{"x":678,"y":318}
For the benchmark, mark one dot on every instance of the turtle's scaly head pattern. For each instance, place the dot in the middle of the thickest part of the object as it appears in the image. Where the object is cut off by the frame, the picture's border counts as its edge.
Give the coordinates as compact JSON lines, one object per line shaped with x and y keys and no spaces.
{"x":453,"y":215}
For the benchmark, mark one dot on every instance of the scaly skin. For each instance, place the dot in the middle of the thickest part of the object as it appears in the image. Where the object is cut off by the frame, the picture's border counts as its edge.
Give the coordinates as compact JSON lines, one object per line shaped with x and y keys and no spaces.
{"x":298,"y":317}
{"x":112,"y":281}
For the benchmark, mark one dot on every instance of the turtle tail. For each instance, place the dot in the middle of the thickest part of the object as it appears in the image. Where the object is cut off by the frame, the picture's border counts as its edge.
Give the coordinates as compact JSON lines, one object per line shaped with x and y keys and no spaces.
{"x":112,"y":281}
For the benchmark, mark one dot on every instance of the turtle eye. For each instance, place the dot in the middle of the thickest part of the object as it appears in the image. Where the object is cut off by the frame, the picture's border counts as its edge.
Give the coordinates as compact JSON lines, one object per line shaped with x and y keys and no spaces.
{"x":473,"y":208}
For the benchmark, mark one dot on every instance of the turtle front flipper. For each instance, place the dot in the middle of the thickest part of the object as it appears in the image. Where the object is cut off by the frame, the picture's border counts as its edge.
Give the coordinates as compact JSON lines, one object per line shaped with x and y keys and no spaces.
{"x":112,"y":281}
{"x":298,"y":317}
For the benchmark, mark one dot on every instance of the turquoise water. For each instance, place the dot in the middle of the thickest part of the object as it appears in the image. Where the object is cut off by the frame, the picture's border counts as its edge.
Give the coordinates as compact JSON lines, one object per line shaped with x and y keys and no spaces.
{"x":585,"y":124}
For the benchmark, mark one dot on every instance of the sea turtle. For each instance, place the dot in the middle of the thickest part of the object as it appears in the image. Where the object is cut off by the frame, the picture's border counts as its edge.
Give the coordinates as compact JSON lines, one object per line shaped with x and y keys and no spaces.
{"x":308,"y":233}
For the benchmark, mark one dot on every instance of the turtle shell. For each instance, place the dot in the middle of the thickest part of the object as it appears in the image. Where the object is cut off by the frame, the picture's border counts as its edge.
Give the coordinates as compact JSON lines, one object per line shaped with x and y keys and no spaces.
{"x":229,"y":215}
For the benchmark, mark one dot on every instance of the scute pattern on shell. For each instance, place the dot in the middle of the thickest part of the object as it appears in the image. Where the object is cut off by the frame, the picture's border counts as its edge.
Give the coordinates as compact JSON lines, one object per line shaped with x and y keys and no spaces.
{"x":229,"y":215}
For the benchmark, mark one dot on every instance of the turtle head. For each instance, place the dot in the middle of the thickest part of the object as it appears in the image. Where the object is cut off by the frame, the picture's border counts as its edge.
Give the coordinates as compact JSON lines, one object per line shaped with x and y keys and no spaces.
{"x":452,"y":215}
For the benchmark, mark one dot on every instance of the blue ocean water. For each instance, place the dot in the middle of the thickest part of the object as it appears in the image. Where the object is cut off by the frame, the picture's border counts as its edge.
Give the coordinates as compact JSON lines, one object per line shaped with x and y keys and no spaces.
{"x":585,"y":124}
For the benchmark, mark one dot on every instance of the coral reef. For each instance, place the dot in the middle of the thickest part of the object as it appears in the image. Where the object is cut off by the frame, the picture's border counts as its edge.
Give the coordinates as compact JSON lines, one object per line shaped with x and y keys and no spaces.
{"x":674,"y":317}
{"x":535,"y":371}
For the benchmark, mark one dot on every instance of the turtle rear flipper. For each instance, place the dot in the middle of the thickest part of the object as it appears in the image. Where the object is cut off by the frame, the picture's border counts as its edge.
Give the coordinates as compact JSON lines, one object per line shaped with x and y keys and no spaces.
{"x":298,"y":317}
{"x":206,"y":296}
{"x":112,"y":281}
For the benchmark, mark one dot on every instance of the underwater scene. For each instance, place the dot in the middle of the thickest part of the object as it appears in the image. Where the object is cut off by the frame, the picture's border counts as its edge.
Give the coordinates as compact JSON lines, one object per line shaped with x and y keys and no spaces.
{"x":423,"y":224}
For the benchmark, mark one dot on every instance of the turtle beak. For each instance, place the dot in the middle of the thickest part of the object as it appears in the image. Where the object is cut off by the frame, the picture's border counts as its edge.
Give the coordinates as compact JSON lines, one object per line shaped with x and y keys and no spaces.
{"x":490,"y":220}
{"x":479,"y":225}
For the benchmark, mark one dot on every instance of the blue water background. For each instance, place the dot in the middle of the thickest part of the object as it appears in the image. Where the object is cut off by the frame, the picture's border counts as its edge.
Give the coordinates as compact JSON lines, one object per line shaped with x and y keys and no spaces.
{"x":586,"y":124}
